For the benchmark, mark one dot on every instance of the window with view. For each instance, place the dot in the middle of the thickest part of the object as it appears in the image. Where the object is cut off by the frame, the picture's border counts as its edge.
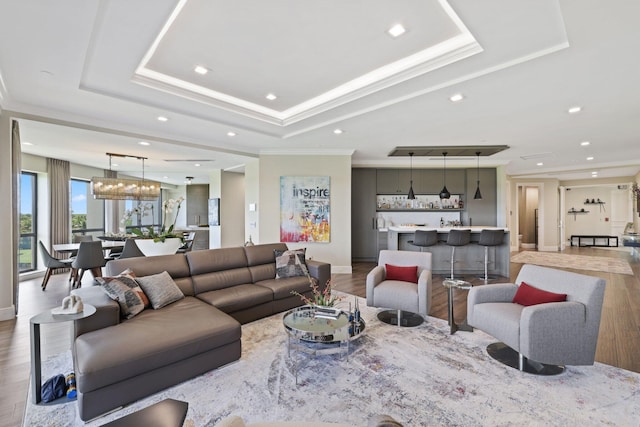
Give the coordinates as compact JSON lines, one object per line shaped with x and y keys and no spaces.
{"x":27,"y":260}
{"x":87,"y":213}
{"x":139,"y":214}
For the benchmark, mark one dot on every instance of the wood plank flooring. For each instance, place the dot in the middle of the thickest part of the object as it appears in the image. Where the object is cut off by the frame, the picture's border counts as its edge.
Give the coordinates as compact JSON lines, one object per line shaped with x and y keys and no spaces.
{"x":618,"y":342}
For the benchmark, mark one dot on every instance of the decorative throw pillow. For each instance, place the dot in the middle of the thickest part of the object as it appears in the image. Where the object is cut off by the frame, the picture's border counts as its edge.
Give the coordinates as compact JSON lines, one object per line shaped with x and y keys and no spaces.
{"x":404,"y":274}
{"x":290,"y":263}
{"x":161,"y":289}
{"x":528,"y":295}
{"x":125,"y":290}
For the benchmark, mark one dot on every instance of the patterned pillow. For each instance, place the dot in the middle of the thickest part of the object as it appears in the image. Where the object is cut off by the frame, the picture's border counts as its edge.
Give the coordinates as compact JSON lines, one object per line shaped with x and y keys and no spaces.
{"x":125,"y":290}
{"x":161,"y":289}
{"x":290,"y":263}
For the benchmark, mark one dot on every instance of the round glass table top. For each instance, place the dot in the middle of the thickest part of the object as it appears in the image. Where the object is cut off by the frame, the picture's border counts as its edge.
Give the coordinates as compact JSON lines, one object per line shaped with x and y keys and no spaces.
{"x":310,"y":323}
{"x":458,"y":284}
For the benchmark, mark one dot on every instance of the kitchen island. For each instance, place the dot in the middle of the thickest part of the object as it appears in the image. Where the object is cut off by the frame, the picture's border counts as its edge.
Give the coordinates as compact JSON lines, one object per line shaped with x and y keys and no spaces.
{"x":470,"y":258}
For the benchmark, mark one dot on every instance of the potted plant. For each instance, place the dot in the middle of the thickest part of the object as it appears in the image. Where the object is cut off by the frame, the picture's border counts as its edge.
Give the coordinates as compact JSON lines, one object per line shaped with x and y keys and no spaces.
{"x":164,"y":241}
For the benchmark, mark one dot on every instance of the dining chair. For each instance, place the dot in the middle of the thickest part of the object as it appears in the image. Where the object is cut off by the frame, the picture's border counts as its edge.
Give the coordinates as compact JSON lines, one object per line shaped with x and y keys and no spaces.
{"x":188,"y":243}
{"x":90,"y":257}
{"x":130,"y":250}
{"x":77,"y":238}
{"x":51,"y":263}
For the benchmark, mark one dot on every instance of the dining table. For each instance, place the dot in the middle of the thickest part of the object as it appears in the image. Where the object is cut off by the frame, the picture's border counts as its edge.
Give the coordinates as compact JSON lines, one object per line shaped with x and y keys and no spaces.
{"x":107,"y":245}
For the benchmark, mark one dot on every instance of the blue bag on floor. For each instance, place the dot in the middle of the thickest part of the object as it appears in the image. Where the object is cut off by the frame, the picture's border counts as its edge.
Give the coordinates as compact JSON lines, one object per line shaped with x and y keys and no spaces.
{"x":54,"y":388}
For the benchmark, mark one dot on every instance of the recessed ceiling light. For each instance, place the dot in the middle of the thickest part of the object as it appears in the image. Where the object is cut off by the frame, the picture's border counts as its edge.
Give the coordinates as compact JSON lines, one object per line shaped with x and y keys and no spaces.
{"x":539,"y":164}
{"x":590,"y":158}
{"x":585,"y":143}
{"x":338,"y":131}
{"x":27,"y":143}
{"x":574,"y":110}
{"x":271,"y":97}
{"x":197,"y":165}
{"x":396,"y":31}
{"x":201,"y":70}
{"x":162,"y":119}
{"x":231,"y":133}
{"x":456,"y":98}
{"x":144,"y":143}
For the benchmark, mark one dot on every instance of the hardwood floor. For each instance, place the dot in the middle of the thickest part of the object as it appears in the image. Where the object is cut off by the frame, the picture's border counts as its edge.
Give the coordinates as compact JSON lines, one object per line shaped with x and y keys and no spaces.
{"x":618,"y":342}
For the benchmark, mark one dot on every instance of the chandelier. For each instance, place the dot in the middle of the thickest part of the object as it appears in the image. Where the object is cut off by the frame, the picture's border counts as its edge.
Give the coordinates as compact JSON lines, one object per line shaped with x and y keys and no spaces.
{"x":124,"y":188}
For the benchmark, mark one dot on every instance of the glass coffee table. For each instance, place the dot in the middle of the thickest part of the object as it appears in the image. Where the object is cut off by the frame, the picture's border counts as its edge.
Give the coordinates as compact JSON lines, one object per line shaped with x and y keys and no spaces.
{"x":318,"y":330}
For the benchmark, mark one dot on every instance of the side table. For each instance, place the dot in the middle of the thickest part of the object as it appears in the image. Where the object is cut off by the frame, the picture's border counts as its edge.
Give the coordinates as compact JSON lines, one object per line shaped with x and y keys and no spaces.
{"x":452,"y":284}
{"x":36,"y":321}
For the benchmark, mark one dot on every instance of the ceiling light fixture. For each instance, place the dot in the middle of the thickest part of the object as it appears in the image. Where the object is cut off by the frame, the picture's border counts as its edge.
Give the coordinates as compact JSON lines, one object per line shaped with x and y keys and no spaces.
{"x":188,"y":180}
{"x":162,"y":119}
{"x":196,"y":165}
{"x":231,"y":133}
{"x":271,"y":97}
{"x":201,"y":70}
{"x":589,"y":158}
{"x":124,"y":188}
{"x":478,"y":195}
{"x":539,"y":164}
{"x":444,"y":194}
{"x":574,"y":110}
{"x":585,"y":143}
{"x":338,"y":131}
{"x":411,"y":195}
{"x":456,"y":98}
{"x":145,"y":143}
{"x":397,"y":30}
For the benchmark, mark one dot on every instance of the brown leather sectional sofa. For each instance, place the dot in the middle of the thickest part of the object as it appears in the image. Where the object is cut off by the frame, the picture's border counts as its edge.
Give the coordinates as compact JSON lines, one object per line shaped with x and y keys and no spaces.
{"x":118,"y":361}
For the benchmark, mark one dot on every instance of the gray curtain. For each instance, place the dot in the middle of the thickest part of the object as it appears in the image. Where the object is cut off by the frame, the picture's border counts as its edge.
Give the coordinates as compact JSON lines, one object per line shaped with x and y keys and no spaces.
{"x":16,"y":170}
{"x":111,"y":208}
{"x":59,"y":178}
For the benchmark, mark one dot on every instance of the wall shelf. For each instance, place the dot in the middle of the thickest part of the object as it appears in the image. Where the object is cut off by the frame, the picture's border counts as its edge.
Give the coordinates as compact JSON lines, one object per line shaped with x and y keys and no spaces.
{"x":575,"y":212}
{"x":599,"y":203}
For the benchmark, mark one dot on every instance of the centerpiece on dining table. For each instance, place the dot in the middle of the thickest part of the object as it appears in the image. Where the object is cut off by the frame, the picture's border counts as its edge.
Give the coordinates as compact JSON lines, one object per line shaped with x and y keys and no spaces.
{"x":162,"y":241}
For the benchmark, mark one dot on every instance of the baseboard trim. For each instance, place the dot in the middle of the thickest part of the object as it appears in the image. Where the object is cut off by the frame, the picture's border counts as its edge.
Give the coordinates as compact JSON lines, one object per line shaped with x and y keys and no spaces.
{"x":8,"y":313}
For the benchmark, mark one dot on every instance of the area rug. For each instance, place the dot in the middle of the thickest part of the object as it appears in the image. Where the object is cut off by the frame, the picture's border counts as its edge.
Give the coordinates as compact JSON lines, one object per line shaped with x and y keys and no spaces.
{"x":421,"y":376}
{"x":576,"y":262}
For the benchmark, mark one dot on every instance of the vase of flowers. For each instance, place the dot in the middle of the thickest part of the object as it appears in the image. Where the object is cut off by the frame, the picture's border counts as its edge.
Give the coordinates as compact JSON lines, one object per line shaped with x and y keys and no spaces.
{"x":323,"y":298}
{"x":164,"y":240}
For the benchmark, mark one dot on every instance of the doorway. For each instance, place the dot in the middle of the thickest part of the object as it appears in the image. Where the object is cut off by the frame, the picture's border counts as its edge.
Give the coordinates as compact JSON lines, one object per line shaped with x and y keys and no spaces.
{"x":528,"y":216}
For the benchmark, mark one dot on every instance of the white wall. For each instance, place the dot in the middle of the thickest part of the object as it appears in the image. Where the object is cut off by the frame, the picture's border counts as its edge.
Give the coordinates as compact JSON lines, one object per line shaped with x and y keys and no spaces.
{"x":338,"y":168}
{"x":252,"y":196}
{"x":232,"y":208}
{"x":7,"y":309}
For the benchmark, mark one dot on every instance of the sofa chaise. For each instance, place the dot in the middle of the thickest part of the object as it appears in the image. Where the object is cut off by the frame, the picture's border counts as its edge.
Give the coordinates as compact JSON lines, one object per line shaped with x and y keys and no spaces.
{"x":118,"y":361}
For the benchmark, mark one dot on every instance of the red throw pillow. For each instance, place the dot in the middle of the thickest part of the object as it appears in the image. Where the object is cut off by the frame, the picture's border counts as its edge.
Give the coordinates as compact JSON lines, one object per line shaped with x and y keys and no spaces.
{"x":528,"y":295}
{"x":404,"y":274}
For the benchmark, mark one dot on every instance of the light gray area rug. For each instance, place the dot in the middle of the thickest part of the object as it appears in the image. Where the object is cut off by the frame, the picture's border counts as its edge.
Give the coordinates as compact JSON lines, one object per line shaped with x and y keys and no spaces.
{"x":577,"y":262}
{"x":421,"y":376}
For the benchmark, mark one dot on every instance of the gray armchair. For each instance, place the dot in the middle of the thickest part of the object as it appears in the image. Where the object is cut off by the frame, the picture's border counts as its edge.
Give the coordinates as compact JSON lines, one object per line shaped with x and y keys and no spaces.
{"x":412,"y":299}
{"x":539,"y":338}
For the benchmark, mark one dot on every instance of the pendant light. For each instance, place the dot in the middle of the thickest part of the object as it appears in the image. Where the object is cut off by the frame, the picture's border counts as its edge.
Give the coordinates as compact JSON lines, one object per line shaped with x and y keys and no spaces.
{"x":444,"y":194}
{"x":478,"y":195}
{"x":411,"y":195}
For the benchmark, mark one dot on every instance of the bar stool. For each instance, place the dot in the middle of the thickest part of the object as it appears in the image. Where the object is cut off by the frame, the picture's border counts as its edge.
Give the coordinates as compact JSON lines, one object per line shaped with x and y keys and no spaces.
{"x":457,"y":238}
{"x":489,"y":237}
{"x":424,"y":238}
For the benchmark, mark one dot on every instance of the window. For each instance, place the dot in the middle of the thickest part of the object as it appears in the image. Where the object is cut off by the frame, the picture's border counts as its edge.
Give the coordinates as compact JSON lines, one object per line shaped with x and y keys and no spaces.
{"x":27,"y":259}
{"x":141,"y":214}
{"x":87,"y":213}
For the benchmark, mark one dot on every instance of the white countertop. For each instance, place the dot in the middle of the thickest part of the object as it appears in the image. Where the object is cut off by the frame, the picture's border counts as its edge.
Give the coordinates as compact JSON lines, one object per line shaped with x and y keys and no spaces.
{"x":474,"y":228}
